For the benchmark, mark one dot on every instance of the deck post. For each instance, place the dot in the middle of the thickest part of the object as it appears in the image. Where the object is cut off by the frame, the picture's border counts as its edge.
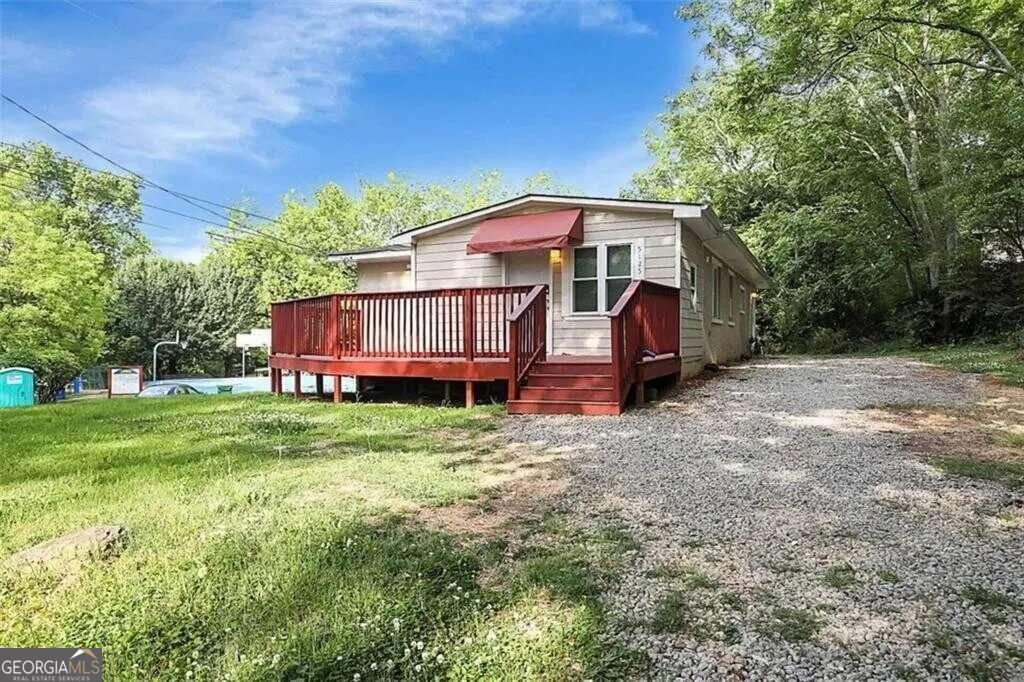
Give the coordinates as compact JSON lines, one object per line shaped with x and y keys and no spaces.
{"x":298,"y":382}
{"x":338,"y":396}
{"x":469,"y":324}
{"x":319,"y":384}
{"x":470,"y":396}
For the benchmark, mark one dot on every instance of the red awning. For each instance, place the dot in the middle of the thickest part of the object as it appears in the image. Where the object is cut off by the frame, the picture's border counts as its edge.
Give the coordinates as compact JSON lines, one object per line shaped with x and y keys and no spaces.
{"x":551,"y":230}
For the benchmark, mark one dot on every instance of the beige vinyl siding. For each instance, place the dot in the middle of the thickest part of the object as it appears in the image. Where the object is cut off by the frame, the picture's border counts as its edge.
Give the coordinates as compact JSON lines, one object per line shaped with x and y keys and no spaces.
{"x":692,"y":338}
{"x":726,"y":342}
{"x":442,"y":262}
{"x":590,"y":334}
{"x":395,"y":276}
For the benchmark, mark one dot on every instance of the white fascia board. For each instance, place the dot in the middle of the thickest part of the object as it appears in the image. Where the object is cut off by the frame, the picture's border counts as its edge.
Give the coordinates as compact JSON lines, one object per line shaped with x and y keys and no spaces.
{"x":677,"y":211}
{"x":386,"y":256}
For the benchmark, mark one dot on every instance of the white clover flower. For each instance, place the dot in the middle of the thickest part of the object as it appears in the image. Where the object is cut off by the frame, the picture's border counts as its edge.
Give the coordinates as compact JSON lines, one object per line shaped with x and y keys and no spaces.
{"x":440,"y":658}
{"x":355,"y":677}
{"x":418,"y":667}
{"x":373,"y":666}
{"x":396,"y":623}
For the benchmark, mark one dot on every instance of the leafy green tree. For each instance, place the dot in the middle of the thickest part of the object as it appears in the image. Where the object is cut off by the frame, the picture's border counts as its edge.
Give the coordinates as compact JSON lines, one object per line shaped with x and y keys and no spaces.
{"x":52,"y":295}
{"x":289,"y":259}
{"x":870,"y":152}
{"x":154,"y":298}
{"x":98,"y":208}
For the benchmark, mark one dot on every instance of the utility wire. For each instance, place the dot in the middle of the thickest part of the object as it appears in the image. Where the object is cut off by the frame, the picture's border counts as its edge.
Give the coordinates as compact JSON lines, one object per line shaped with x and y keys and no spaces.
{"x":236,"y":228}
{"x":184,"y":197}
{"x":248,"y":214}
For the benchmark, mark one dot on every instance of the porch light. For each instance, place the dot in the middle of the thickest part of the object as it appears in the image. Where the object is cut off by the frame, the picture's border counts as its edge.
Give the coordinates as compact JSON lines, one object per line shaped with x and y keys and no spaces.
{"x":556,"y":256}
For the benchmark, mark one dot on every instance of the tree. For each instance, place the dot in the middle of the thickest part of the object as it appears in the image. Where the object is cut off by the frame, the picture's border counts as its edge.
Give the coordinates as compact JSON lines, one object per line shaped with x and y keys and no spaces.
{"x":52,"y":295}
{"x":871,"y":153}
{"x":98,"y":208}
{"x":153,"y":299}
{"x":289,"y":259}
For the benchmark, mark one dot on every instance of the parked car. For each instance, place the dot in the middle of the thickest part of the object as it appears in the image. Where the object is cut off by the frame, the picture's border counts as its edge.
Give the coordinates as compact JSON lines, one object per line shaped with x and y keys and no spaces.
{"x":162,"y":390}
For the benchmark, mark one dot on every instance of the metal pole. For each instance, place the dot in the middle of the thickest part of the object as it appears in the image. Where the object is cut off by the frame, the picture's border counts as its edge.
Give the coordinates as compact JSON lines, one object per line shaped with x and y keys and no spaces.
{"x":176,"y":342}
{"x":244,"y":348}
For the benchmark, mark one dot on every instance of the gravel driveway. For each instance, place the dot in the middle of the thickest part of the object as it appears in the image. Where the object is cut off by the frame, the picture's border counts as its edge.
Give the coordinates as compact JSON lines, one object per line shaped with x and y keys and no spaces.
{"x":786,"y":534}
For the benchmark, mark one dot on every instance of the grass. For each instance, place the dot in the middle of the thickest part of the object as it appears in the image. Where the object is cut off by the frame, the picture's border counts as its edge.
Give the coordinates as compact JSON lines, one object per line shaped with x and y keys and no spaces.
{"x":691,"y":576}
{"x":1009,"y":473}
{"x":268,"y":540}
{"x":792,"y":625}
{"x":1001,"y":361}
{"x":840,"y":576}
{"x":988,"y":599}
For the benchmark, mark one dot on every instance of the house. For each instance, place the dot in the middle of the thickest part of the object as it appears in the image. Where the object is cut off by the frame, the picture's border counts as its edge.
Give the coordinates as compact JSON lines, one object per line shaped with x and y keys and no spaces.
{"x":573,"y":302}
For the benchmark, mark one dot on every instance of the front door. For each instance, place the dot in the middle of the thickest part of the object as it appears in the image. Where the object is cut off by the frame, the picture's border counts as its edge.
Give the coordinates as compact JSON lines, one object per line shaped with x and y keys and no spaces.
{"x":531,"y":267}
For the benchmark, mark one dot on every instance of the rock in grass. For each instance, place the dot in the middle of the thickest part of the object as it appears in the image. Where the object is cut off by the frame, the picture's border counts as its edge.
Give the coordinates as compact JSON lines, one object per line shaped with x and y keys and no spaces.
{"x":95,"y":542}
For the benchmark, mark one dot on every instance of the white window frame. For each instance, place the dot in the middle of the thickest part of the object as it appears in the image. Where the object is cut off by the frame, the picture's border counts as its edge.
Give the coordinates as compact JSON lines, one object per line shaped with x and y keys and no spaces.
{"x":716,"y":292}
{"x":732,"y":299}
{"x":694,"y":277}
{"x":569,"y":303}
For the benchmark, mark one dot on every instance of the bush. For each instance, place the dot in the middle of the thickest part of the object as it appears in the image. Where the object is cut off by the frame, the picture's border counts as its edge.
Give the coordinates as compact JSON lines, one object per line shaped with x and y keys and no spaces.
{"x":829,"y":342}
{"x":53,"y":369}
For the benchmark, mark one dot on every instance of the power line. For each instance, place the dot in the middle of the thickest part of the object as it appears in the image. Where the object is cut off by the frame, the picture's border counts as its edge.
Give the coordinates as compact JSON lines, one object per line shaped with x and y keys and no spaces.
{"x":236,"y":228}
{"x":184,"y":197}
{"x":248,"y":214}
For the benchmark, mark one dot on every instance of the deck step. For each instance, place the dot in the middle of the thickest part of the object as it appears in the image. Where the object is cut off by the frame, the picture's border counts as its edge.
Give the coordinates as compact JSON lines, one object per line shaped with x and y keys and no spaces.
{"x":573,"y":368}
{"x":562,"y":407}
{"x":585,"y":394}
{"x":536,"y":379}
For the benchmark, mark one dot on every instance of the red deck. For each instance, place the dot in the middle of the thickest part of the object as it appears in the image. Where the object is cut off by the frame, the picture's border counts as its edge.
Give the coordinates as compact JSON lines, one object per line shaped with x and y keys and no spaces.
{"x":477,"y":334}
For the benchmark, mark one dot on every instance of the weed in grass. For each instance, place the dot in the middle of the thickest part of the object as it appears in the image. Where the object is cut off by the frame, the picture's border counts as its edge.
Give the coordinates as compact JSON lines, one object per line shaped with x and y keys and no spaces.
{"x":792,"y":625}
{"x":890,"y":577}
{"x":673,"y":614}
{"x":1010,"y":474}
{"x":691,"y":576}
{"x":988,"y":599}
{"x":840,"y":576}
{"x":1013,"y":439}
{"x":566,"y":575}
{"x":732,"y":600}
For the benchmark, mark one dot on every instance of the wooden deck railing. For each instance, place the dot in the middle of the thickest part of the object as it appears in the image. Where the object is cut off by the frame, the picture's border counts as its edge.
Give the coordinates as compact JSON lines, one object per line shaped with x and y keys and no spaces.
{"x":646,"y":318}
{"x":441,"y":323}
{"x":527,"y":334}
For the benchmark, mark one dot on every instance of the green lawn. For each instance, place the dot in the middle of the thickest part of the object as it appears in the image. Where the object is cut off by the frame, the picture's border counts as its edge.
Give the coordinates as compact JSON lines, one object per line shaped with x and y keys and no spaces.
{"x":999,"y":360}
{"x":272,"y":539}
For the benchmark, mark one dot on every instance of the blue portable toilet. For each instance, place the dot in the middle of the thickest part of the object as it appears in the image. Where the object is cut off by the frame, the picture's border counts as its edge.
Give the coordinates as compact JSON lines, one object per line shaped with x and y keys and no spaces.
{"x":17,"y":387}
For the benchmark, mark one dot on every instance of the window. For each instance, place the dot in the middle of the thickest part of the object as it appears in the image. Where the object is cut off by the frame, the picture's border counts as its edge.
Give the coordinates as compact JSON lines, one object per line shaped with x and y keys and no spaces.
{"x":693,"y":286}
{"x":716,"y":293}
{"x":744,"y":301}
{"x":732,"y":298}
{"x":600,"y":274}
{"x":584,"y":280}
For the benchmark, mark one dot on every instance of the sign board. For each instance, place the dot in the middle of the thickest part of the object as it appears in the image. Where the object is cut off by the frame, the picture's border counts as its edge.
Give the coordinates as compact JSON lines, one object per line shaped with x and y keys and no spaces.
{"x":348,"y":384}
{"x":124,"y":381}
{"x":14,"y":378}
{"x":257,"y":338}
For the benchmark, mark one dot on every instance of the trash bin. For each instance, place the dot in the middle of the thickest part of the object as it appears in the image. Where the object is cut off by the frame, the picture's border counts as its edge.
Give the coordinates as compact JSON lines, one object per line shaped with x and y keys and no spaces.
{"x":17,"y":387}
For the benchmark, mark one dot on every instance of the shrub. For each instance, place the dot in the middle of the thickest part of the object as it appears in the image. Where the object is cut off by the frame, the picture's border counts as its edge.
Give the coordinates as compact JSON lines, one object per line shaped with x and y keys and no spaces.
{"x":829,"y":342}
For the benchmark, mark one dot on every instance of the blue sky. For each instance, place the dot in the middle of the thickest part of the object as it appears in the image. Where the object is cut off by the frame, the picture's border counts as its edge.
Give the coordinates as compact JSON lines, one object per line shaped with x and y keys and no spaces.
{"x":251,"y":100}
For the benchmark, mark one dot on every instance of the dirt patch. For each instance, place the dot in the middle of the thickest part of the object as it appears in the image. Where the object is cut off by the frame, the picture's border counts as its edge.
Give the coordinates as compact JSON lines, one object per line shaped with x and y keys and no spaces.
{"x":521,"y":480}
{"x":991,"y":428}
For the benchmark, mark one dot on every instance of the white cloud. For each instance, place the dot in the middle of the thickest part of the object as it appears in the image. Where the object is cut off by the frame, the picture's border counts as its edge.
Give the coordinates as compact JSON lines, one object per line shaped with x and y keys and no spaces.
{"x":286,"y":61}
{"x":611,"y":168}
